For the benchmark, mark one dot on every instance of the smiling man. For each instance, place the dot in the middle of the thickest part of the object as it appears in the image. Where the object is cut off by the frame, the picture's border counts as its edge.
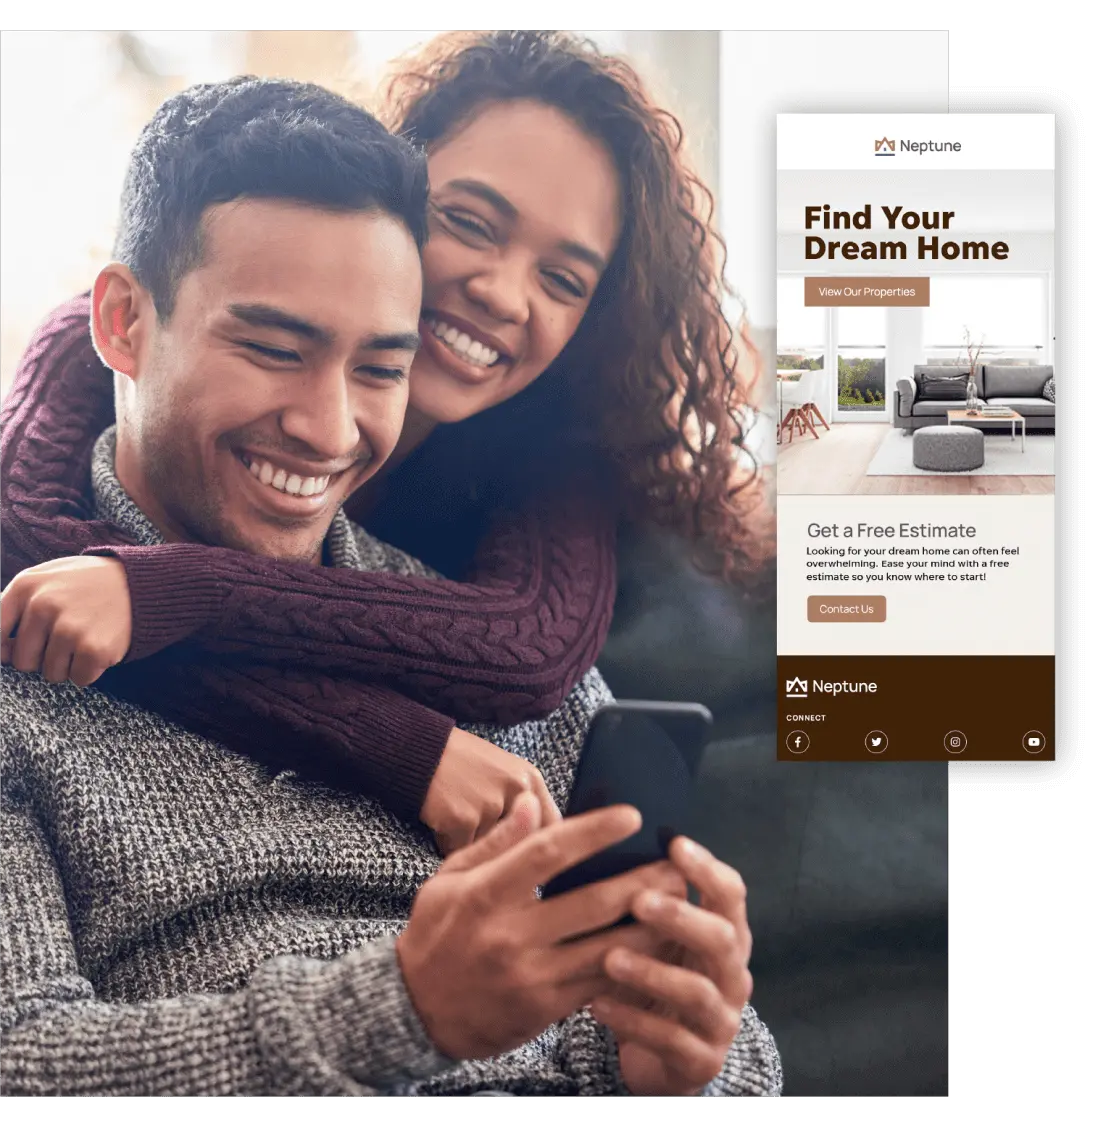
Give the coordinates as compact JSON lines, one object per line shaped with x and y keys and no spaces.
{"x":177,"y":918}
{"x":257,"y":394}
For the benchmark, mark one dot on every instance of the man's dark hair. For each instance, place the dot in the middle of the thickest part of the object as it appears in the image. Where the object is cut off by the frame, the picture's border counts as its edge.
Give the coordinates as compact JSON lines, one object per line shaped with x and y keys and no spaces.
{"x":259,"y":138}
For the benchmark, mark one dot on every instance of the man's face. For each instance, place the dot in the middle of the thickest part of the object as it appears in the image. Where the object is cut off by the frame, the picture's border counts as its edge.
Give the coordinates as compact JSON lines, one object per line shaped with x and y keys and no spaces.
{"x":279,"y":383}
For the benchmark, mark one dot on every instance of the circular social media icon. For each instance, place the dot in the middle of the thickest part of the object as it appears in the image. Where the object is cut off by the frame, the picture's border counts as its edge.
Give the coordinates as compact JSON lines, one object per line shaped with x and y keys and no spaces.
{"x":955,"y":742}
{"x":1034,"y":742}
{"x":876,"y":742}
{"x":796,"y":742}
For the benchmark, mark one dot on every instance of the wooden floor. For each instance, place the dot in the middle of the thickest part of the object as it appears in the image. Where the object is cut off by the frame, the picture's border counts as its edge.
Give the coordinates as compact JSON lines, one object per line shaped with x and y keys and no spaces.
{"x":837,"y":461}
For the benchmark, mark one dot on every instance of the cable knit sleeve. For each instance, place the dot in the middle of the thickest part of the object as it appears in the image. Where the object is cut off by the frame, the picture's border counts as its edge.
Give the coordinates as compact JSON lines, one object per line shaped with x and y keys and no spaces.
{"x":62,"y":399}
{"x":504,"y":646}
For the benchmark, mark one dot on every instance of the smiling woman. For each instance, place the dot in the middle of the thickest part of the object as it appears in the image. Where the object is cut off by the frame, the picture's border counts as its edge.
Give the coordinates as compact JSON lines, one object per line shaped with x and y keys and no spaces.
{"x":585,"y":220}
{"x":525,"y":215}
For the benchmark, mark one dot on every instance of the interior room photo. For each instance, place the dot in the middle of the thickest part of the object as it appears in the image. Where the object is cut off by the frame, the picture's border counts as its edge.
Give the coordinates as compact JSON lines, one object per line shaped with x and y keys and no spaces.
{"x":958,"y":397}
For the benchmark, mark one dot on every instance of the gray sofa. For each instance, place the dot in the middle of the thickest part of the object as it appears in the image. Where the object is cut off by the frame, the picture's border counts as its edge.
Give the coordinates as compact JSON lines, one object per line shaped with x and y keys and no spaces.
{"x":1018,"y":387}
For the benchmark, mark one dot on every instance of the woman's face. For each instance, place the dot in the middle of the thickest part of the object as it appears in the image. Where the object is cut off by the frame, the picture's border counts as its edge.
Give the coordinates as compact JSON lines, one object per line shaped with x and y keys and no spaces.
{"x":525,"y":214}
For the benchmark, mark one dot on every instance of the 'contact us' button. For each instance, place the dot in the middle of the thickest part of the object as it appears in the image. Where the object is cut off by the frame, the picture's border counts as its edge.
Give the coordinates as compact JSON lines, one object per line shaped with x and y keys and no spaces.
{"x":846,"y":608}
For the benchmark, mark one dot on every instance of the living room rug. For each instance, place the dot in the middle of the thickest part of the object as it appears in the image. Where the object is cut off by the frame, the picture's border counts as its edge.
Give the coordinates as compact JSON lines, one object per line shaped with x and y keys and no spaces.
{"x":1002,"y":457}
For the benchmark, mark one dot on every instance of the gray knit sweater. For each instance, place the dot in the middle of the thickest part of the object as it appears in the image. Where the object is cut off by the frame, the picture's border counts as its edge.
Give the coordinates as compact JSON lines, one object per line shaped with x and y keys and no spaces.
{"x":176,"y":920}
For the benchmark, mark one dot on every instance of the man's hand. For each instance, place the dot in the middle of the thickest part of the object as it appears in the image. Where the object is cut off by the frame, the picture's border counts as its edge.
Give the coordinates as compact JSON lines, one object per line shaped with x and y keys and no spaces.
{"x":475,"y":784}
{"x":676,"y":1018}
{"x":488,"y":965}
{"x":69,"y":619}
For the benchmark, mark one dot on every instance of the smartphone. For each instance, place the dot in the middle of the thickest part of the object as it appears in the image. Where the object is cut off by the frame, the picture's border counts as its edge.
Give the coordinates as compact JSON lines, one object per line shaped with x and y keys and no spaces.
{"x":643,"y":753}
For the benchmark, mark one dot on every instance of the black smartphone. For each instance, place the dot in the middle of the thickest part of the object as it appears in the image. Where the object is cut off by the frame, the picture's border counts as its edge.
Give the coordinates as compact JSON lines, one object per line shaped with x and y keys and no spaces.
{"x":643,"y":753}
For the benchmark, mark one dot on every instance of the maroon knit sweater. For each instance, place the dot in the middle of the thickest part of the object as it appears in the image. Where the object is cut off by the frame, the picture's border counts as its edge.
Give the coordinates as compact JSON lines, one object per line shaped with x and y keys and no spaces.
{"x":294,"y":662}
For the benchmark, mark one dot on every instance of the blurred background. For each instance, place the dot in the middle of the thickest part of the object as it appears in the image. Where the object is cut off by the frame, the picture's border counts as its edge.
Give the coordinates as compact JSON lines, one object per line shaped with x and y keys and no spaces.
{"x":72,"y":104}
{"x":846,"y":864}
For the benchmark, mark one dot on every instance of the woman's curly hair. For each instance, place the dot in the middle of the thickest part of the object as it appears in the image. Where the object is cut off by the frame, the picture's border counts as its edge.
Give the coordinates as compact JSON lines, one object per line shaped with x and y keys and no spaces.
{"x":655,"y":383}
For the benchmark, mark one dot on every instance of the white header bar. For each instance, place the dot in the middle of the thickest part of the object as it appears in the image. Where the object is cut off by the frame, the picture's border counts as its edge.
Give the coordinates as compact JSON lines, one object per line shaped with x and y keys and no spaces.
{"x":896,"y":141}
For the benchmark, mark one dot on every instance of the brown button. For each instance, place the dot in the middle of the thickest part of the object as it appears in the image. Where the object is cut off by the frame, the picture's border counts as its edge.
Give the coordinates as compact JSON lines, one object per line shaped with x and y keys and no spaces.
{"x":846,"y":608}
{"x":870,"y":292}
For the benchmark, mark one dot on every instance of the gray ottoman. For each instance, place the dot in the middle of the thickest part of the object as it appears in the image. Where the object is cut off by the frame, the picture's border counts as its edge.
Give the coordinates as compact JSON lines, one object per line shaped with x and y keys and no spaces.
{"x":951,"y":449}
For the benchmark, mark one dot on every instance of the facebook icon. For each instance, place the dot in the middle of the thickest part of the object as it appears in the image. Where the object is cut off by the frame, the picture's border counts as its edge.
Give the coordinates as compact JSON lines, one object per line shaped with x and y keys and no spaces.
{"x":796,"y":742}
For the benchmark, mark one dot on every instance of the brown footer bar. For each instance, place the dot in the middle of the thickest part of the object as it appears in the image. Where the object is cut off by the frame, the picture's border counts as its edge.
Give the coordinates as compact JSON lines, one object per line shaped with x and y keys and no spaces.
{"x":916,"y":709}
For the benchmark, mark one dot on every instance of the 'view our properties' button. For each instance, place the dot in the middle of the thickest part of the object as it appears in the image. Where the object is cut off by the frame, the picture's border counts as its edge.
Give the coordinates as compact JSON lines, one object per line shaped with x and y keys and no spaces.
{"x":846,"y":608}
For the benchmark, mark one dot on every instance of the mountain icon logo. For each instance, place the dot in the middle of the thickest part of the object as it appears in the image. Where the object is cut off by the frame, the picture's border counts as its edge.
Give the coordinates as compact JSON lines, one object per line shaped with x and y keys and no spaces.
{"x":796,"y":688}
{"x":884,"y":147}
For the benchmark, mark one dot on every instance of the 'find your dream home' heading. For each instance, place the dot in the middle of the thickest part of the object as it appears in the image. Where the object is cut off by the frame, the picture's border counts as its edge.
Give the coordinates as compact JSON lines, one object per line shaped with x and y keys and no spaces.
{"x":929,"y":247}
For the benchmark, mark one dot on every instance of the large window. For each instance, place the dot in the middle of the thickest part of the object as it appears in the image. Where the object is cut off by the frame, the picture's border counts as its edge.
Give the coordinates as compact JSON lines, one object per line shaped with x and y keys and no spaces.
{"x":802,"y":332}
{"x":860,"y":360}
{"x":849,"y":343}
{"x":1006,"y":317}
